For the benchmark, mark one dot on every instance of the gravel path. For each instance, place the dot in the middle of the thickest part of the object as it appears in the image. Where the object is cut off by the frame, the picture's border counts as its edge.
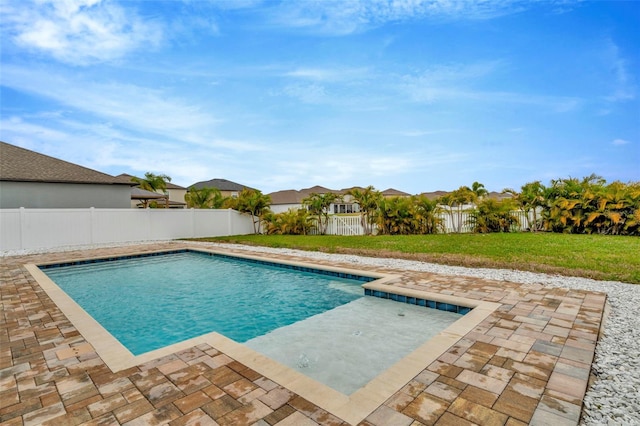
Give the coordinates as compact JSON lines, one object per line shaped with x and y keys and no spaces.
{"x":614,"y":398}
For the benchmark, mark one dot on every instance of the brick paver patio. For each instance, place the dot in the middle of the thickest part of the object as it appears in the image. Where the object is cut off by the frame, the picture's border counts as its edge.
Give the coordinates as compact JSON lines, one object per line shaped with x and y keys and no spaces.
{"x":527,"y":363}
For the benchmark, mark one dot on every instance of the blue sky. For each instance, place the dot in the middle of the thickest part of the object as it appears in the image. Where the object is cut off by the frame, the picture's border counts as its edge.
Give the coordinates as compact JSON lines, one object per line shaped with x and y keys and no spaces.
{"x":412,"y":95}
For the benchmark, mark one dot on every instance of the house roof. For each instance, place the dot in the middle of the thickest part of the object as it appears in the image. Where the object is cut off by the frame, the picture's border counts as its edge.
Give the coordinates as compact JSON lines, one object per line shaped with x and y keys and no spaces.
{"x":291,"y":196}
{"x":287,"y":196}
{"x":433,"y":195}
{"x":22,"y":165}
{"x":221,"y":184}
{"x":394,"y":193}
{"x":143,"y":194}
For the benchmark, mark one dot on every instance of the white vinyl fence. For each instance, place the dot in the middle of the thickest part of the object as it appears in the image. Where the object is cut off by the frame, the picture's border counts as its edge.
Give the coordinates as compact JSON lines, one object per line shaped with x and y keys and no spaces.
{"x":350,"y":225}
{"x":46,"y":228}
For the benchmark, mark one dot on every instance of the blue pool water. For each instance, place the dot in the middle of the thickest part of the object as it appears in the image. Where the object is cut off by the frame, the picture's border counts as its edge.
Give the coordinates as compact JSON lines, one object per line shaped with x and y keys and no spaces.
{"x":151,"y":302}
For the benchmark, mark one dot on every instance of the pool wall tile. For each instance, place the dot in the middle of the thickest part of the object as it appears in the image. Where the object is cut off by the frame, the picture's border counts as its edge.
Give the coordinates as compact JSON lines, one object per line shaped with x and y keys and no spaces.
{"x":361,"y":278}
{"x":441,"y":306}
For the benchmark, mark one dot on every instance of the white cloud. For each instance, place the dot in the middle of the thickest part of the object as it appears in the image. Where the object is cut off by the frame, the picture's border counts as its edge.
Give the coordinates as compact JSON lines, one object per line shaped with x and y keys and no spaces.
{"x":307,"y":93}
{"x":77,"y":32}
{"x":620,"y":142}
{"x":137,"y":107}
{"x":329,"y":74}
{"x":337,"y":17}
{"x":109,"y":149}
{"x":622,"y":83}
{"x":458,"y":82}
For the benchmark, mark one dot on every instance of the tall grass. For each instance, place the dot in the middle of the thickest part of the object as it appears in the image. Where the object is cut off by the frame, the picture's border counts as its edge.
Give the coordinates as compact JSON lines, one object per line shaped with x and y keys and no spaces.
{"x":594,"y":256}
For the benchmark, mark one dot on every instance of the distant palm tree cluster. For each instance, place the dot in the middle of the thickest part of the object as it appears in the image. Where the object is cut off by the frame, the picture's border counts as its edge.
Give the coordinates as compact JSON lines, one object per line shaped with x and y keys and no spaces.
{"x":570,"y":205}
{"x":587,"y":206}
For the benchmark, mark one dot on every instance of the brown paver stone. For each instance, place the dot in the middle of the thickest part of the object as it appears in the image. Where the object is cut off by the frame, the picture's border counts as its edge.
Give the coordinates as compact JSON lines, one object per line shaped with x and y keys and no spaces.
{"x":38,"y":417}
{"x":528,"y":361}
{"x":426,"y":409}
{"x":516,"y":405}
{"x":297,"y":419}
{"x":221,"y":406}
{"x":479,"y":396}
{"x":482,"y":381}
{"x":448,"y":419}
{"x":191,"y":402}
{"x":276,"y":398}
{"x":388,"y":417}
{"x":159,"y":416}
{"x":239,"y":388}
{"x":279,"y":414}
{"x":443,"y":391}
{"x":106,"y":405}
{"x":246,"y":414}
{"x":567,"y":384}
{"x":476,"y":413}
{"x":132,"y":410}
{"x":194,"y":418}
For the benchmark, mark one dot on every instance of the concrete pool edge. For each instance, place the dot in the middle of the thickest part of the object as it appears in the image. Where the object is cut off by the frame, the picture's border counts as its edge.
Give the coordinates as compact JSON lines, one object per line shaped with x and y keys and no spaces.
{"x":351,"y":409}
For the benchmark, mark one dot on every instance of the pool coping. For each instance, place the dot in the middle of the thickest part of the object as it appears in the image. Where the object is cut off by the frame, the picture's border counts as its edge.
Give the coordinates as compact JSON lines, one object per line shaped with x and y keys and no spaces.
{"x":351,"y":408}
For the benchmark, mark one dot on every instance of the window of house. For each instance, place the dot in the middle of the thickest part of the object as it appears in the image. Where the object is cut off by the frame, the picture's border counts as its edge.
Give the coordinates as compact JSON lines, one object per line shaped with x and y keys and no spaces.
{"x":345,"y":208}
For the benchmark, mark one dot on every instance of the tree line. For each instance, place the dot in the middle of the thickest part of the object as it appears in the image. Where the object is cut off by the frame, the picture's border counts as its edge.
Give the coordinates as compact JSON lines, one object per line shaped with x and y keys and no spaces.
{"x":589,"y":205}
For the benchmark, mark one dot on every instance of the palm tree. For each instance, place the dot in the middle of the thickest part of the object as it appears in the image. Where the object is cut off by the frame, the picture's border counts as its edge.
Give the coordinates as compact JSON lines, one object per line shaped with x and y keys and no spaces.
{"x":154,"y":183}
{"x":255,"y":203}
{"x":615,"y":210}
{"x":395,"y":216}
{"x":457,"y":199}
{"x":368,"y":200}
{"x":204,"y":198}
{"x":493,"y":216}
{"x":479,"y":190}
{"x":318,"y":205}
{"x":531,"y":198}
{"x":428,"y":215}
{"x":291,"y":222}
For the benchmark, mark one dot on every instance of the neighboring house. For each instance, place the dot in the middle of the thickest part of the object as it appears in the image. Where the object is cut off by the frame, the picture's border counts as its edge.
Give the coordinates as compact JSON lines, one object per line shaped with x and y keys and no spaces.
{"x":288,"y":199}
{"x":281,"y":201}
{"x":390,"y":193}
{"x":226,"y":187}
{"x":32,"y":180}
{"x":175,"y":192}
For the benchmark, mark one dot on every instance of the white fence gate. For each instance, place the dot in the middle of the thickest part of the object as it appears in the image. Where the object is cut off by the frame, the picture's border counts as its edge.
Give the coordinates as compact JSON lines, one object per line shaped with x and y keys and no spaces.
{"x":45,"y":228}
{"x":351,"y":225}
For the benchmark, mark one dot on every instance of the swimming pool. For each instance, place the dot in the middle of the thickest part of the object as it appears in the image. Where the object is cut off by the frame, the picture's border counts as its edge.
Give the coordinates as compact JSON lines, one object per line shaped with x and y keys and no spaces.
{"x":352,"y":408}
{"x":149,"y":302}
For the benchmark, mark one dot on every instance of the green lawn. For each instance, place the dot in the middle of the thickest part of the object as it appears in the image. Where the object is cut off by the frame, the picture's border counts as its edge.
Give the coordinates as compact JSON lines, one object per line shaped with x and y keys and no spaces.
{"x":594,"y":256}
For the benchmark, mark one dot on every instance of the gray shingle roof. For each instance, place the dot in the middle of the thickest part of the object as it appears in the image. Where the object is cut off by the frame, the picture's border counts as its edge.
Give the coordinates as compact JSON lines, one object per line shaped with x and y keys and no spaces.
{"x":292,"y":196}
{"x":221,"y":184}
{"x":391,"y":192}
{"x":22,"y":165}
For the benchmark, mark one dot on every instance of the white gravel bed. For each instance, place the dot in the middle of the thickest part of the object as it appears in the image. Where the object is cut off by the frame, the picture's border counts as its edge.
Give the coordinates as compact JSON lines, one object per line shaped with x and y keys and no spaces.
{"x":613,"y":399}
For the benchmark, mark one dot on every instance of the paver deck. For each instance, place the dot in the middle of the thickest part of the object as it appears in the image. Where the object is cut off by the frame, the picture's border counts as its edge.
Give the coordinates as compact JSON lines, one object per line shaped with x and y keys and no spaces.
{"x":528,"y":362}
